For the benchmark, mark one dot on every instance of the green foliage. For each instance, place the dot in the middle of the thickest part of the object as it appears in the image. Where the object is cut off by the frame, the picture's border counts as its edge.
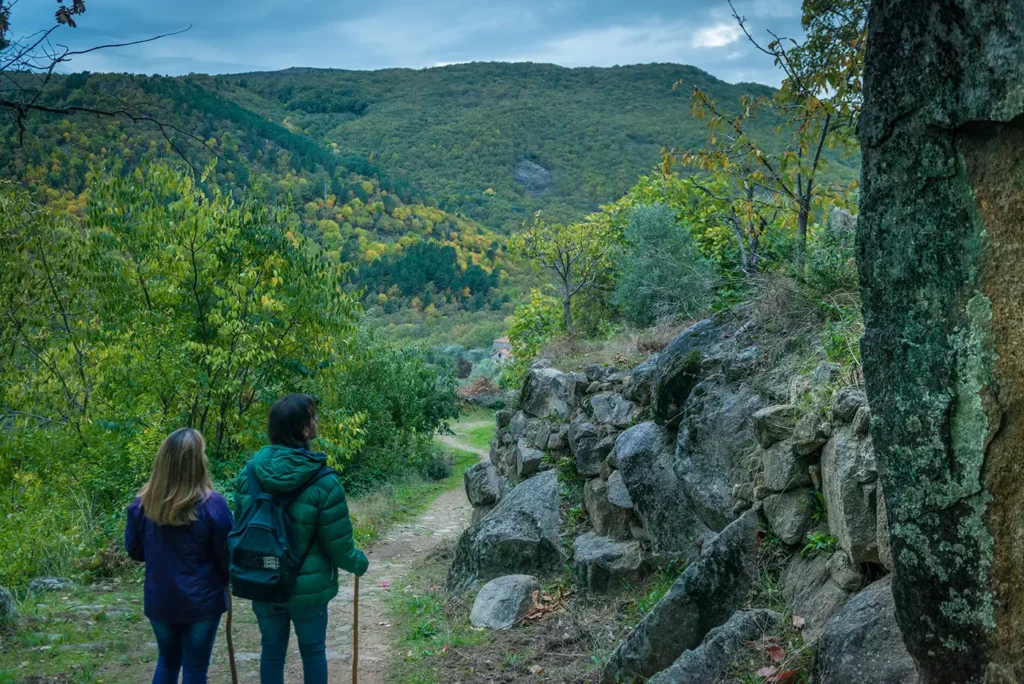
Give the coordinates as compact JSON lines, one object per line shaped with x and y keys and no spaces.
{"x":534,"y":323}
{"x":166,"y":306}
{"x":469,"y":134}
{"x":662,"y":275}
{"x":819,"y":543}
{"x":439,"y":466}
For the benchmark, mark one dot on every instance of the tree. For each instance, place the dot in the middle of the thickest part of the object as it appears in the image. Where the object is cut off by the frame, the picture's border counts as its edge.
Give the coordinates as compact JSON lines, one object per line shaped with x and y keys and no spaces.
{"x":27,"y":68}
{"x":576,"y":253}
{"x":818,"y":103}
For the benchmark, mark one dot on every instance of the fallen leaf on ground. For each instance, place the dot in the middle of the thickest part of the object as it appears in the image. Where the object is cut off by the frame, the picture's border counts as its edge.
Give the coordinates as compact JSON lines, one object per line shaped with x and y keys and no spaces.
{"x":776,"y":653}
{"x":798,"y":621}
{"x":782,"y":676}
{"x":767,"y":671}
{"x":384,"y":584}
{"x":536,"y":670}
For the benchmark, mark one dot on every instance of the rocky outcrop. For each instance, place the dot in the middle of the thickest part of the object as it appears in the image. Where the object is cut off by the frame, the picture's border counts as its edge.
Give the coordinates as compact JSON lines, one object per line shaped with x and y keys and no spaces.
{"x":863,"y":643}
{"x":549,"y":393}
{"x":583,"y":441}
{"x":502,"y":601}
{"x":775,"y":423}
{"x":706,"y":464}
{"x":41,"y":584}
{"x":608,"y":408}
{"x":644,"y":456}
{"x":483,"y":485}
{"x":601,"y":564}
{"x":704,"y":597}
{"x":722,"y":647}
{"x":520,"y":536}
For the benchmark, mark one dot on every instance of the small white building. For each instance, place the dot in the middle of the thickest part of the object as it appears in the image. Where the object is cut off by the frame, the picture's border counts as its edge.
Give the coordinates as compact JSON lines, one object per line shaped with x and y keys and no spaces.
{"x":501,"y":351}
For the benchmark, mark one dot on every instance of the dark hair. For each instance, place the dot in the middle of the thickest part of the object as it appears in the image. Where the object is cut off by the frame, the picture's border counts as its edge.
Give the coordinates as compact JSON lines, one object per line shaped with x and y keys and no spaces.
{"x":288,"y":418}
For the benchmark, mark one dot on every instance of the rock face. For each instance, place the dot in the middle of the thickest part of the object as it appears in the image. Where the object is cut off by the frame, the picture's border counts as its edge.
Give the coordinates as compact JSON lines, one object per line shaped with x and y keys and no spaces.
{"x":612,"y":409}
{"x":713,"y":659}
{"x":483,"y":486}
{"x":940,"y":365}
{"x":811,"y":593}
{"x":704,"y":597}
{"x":784,"y":469}
{"x":601,"y":563}
{"x":502,"y":601}
{"x":849,"y":480}
{"x":645,"y":456}
{"x":8,"y":608}
{"x":863,"y":643}
{"x":549,"y":393}
{"x":706,"y":464}
{"x":520,"y":536}
{"x":638,"y":389}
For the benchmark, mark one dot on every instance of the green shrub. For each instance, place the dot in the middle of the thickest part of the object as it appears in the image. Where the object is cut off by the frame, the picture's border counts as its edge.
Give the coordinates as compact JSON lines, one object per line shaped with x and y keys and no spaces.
{"x":662,"y":273}
{"x":439,"y":466}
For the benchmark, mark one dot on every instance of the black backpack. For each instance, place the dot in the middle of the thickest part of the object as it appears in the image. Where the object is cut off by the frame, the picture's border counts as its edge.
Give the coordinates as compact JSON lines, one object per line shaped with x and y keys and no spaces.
{"x":262,"y":547}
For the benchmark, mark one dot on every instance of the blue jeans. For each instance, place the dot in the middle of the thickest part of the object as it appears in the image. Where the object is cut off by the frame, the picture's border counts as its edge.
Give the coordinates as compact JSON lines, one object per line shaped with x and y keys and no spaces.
{"x":186,"y":648}
{"x":311,"y":631}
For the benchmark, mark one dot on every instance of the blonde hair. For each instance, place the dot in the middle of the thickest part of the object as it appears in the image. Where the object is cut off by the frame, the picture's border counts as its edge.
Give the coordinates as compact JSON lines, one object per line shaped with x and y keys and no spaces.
{"x":180,"y":479}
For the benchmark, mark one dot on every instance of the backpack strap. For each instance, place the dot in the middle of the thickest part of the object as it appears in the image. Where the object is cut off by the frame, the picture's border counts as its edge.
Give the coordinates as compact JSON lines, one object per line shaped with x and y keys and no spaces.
{"x":255,"y":488}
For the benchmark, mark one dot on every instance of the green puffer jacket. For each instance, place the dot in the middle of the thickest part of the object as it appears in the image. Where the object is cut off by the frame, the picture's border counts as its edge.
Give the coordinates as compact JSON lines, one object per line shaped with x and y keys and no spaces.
{"x":320,"y":513}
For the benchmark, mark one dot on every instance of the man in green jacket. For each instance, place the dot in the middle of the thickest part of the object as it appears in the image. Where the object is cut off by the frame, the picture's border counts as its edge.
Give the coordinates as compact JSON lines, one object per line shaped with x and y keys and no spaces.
{"x":321,"y":523}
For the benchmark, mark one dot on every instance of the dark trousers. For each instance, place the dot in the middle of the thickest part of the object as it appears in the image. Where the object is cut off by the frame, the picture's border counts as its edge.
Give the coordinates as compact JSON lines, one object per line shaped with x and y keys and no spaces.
{"x":311,"y":631}
{"x":184,"y":648}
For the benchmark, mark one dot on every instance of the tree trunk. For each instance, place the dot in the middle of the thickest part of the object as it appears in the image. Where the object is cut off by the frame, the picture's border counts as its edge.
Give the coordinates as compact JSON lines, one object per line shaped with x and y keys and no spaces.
{"x":802,"y":216}
{"x":567,"y":311}
{"x":939,"y":251}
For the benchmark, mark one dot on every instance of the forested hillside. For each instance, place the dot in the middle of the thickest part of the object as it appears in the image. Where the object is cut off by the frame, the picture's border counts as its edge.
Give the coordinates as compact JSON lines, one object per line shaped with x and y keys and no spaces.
{"x":404,"y":250}
{"x":499,"y":141}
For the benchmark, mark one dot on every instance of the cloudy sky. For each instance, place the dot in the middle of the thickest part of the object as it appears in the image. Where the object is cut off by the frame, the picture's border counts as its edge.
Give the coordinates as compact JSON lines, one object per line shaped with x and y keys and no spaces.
{"x":253,"y":35}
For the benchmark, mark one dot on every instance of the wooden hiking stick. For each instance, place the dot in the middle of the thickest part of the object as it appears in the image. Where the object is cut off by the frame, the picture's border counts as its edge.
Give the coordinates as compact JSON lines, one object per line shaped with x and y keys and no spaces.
{"x":355,"y":631}
{"x":231,"y":643}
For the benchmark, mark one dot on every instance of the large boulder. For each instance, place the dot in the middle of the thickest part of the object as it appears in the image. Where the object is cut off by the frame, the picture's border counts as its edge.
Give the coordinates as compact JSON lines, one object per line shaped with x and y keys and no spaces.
{"x":644,"y":456}
{"x":715,"y":439}
{"x":704,"y":597}
{"x":846,"y":402}
{"x":849,"y":482}
{"x":609,"y":520}
{"x":502,"y":601}
{"x":775,"y":423}
{"x":863,"y":643}
{"x":722,"y":647}
{"x":601,"y":563}
{"x":811,"y":593}
{"x":520,"y":536}
{"x":549,"y":393}
{"x":583,"y":440}
{"x":483,"y":485}
{"x":8,"y":608}
{"x":811,"y":433}
{"x":789,"y":515}
{"x":638,"y":389}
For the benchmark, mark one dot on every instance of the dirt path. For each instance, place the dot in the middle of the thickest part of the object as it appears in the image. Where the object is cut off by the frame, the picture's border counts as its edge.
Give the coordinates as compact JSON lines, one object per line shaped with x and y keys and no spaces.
{"x":390,"y":559}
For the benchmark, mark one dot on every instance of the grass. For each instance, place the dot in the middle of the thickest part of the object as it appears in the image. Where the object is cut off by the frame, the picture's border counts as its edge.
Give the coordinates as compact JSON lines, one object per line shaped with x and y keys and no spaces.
{"x":375,"y":513}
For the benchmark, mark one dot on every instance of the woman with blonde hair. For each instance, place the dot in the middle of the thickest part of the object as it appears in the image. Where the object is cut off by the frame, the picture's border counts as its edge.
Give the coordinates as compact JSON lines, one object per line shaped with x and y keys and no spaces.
{"x":179,"y":526}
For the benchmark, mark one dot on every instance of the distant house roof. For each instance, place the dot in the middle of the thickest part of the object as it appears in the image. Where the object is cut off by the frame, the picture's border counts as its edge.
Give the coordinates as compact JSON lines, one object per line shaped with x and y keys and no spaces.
{"x":502,"y":340}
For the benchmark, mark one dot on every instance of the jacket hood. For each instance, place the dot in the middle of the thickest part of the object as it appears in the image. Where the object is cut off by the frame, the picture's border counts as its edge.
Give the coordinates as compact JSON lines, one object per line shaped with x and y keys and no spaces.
{"x":283,"y":469}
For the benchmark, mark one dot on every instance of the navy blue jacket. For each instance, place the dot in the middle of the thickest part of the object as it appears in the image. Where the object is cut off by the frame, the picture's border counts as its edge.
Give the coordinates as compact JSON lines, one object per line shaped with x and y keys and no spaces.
{"x":186,"y":565}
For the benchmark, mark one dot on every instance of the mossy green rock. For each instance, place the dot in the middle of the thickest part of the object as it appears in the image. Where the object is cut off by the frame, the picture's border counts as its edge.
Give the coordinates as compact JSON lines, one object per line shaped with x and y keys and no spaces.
{"x":939,"y":253}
